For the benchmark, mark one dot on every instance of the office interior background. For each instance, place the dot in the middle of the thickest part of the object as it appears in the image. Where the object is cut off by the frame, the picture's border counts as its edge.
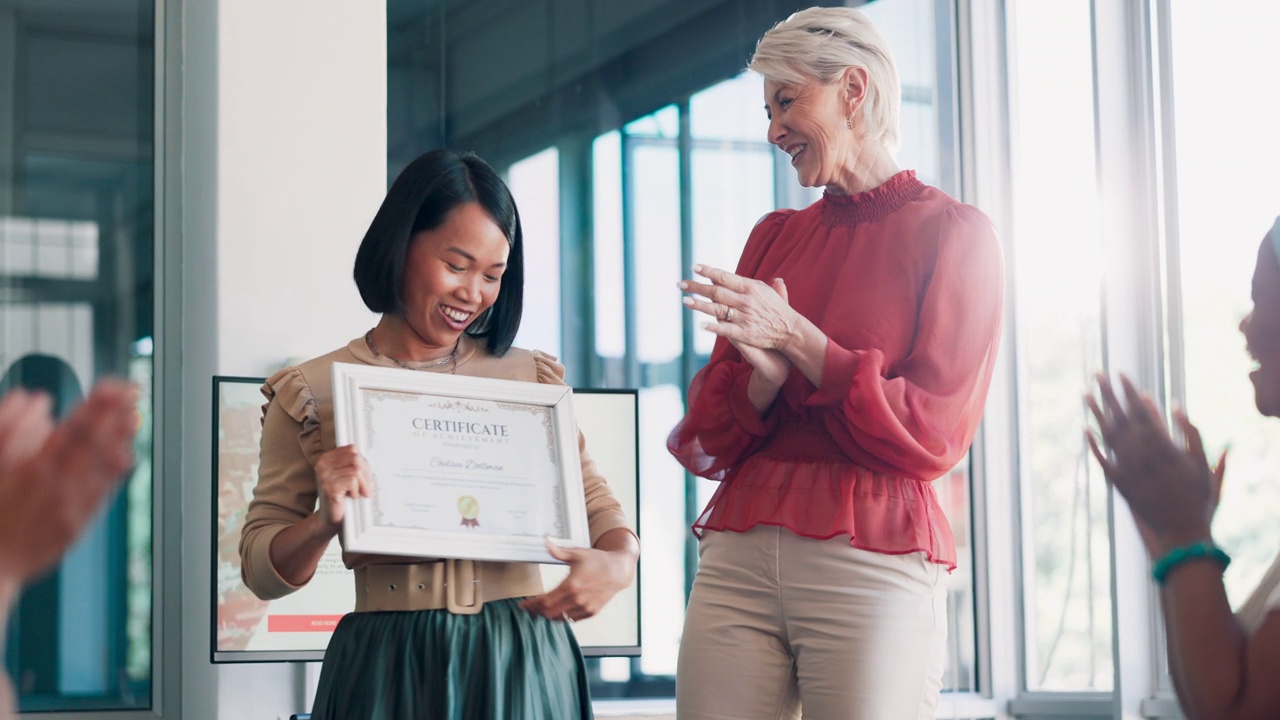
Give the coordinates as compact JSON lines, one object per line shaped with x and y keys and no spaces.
{"x":183,"y":185}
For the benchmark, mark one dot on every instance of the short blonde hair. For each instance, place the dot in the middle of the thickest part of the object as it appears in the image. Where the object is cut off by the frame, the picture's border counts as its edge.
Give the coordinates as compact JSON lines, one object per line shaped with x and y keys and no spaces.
{"x":820,"y":44}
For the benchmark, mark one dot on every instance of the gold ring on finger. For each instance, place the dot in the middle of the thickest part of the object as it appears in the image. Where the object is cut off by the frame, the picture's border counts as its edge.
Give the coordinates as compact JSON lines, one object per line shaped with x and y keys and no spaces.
{"x":728,"y":314}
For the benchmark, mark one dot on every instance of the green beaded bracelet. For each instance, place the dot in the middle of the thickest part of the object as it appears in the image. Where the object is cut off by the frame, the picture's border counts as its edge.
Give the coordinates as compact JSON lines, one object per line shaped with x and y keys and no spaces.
{"x":1179,"y":555}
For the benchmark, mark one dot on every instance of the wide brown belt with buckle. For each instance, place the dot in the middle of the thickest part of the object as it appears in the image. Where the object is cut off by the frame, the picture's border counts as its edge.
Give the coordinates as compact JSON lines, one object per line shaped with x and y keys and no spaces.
{"x":460,"y":586}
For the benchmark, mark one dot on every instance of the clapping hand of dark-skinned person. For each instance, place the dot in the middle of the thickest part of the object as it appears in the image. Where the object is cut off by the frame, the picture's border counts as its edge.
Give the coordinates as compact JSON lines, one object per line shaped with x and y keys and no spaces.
{"x":756,"y":317}
{"x":595,"y":576}
{"x":341,"y":473}
{"x":54,"y":477}
{"x":1170,"y":486}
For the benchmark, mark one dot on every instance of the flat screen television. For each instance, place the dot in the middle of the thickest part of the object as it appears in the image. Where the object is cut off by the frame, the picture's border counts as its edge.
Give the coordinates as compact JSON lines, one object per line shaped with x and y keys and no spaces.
{"x":298,"y":626}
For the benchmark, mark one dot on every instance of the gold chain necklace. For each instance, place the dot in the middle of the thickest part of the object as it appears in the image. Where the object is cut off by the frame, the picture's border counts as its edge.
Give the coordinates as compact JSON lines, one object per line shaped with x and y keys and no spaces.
{"x":452,"y":357}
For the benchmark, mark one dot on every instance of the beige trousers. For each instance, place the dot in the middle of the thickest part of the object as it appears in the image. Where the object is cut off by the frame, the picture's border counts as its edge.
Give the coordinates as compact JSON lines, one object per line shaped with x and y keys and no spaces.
{"x":777,"y":622}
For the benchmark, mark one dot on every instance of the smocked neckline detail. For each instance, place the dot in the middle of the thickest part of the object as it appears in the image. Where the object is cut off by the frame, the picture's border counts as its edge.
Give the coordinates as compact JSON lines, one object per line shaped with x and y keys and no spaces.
{"x":874,"y":204}
{"x":466,"y":350}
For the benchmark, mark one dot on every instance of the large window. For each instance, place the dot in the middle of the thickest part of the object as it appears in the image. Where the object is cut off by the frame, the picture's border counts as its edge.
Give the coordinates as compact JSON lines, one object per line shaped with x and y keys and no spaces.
{"x":1057,"y":273}
{"x":76,"y":288}
{"x":1137,"y":207}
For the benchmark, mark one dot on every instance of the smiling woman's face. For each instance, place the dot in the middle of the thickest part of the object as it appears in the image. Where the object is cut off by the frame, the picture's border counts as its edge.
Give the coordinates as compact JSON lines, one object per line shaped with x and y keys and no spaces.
{"x":452,"y":274}
{"x":1261,"y":328}
{"x":808,"y":122}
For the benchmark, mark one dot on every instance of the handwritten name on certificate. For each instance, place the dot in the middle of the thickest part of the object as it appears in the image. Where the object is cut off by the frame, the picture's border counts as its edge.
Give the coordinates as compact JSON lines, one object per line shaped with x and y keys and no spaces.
{"x":462,"y":467}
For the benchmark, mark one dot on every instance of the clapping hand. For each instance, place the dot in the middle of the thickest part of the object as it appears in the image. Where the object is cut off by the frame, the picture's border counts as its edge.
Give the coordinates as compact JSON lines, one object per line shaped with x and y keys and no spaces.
{"x":54,"y":477}
{"x":1171,"y":488}
{"x":756,"y":317}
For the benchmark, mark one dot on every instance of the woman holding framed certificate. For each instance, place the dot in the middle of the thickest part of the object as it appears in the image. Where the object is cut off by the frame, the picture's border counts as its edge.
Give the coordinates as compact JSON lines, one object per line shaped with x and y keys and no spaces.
{"x":442,"y":638}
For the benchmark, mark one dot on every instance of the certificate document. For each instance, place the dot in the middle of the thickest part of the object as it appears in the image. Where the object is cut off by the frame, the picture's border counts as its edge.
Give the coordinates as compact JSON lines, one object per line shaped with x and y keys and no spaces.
{"x":462,"y":467}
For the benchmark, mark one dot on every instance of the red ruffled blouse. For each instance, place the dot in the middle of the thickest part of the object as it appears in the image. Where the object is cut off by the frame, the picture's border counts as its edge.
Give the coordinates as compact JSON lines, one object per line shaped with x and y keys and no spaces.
{"x":907,"y":284}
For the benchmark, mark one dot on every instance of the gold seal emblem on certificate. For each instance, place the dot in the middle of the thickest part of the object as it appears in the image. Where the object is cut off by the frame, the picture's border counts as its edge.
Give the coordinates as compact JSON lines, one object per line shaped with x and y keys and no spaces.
{"x":469,"y":508}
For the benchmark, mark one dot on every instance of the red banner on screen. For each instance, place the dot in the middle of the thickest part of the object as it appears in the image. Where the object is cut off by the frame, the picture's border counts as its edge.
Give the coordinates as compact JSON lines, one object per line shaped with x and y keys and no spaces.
{"x":302,"y":623}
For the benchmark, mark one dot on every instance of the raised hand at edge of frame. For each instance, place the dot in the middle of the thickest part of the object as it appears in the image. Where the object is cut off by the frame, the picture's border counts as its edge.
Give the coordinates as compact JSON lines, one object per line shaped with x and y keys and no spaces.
{"x":54,"y":477}
{"x":1172,"y":491}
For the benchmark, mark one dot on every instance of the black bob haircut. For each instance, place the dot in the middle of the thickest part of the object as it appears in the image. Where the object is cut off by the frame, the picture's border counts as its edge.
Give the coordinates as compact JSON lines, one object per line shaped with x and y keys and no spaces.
{"x":421,"y":199}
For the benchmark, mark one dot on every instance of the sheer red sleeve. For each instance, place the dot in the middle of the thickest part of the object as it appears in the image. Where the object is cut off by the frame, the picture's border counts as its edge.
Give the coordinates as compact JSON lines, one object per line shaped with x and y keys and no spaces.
{"x":916,"y":419}
{"x":721,"y":426}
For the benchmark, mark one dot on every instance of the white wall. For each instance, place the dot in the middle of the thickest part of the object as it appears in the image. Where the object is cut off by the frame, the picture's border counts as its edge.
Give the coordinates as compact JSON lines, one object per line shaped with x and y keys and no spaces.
{"x":301,"y":172}
{"x":284,"y":165}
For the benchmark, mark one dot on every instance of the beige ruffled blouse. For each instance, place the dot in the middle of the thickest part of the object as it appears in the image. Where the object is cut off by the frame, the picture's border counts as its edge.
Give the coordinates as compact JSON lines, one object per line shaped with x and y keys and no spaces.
{"x":298,"y":428}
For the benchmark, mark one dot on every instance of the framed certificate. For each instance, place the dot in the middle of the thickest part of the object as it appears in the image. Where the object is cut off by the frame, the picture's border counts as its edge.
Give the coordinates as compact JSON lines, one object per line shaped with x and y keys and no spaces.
{"x":297,"y":627}
{"x":463,"y":467}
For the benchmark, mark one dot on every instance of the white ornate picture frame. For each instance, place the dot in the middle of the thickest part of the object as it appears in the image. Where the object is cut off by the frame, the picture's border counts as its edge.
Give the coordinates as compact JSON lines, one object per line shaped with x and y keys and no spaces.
{"x":463,"y":467}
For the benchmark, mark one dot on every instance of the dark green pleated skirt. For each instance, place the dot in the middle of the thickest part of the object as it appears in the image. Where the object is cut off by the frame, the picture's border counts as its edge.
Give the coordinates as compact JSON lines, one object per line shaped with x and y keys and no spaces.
{"x":501,"y":664}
